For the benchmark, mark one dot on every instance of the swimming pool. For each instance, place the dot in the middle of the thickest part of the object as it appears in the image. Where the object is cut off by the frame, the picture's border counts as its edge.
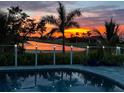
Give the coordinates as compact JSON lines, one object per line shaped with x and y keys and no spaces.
{"x":50,"y":81}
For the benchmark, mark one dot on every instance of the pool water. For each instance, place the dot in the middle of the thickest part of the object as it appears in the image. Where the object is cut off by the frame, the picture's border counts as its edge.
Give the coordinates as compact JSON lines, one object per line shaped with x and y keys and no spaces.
{"x":50,"y":81}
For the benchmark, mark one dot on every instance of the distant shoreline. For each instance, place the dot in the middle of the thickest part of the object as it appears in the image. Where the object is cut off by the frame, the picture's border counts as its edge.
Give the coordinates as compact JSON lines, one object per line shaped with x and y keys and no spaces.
{"x":31,"y":45}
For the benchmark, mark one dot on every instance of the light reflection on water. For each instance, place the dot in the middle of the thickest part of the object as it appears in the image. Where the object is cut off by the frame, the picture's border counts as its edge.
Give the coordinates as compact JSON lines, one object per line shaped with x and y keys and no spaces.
{"x":54,"y":81}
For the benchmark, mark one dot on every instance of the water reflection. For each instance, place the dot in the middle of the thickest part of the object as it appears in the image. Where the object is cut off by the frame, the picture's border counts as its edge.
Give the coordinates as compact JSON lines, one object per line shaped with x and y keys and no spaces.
{"x":54,"y":81}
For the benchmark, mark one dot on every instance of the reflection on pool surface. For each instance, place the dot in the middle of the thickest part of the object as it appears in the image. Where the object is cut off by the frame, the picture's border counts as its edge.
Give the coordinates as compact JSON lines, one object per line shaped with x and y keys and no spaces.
{"x":55,"y":81}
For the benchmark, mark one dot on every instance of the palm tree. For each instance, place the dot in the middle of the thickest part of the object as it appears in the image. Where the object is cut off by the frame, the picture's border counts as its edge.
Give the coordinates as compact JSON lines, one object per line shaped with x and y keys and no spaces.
{"x":89,"y":34}
{"x":63,"y":21}
{"x":77,"y":35}
{"x":83,"y":35}
{"x":112,"y":32}
{"x":111,"y":35}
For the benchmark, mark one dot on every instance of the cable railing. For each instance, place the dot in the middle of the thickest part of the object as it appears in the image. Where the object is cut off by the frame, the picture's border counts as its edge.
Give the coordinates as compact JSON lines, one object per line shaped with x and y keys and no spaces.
{"x":36,"y":51}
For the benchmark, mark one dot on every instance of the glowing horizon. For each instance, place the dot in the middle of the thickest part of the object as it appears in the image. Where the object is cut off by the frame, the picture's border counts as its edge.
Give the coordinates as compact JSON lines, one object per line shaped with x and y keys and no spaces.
{"x":94,"y":13}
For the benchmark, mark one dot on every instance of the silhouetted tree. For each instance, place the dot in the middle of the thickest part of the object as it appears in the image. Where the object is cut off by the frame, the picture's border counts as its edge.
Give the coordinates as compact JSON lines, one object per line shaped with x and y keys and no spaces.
{"x":41,"y":27}
{"x":111,"y":36}
{"x":63,"y":21}
{"x":15,"y":19}
{"x":77,"y":35}
{"x":89,"y":34}
{"x":3,"y":29}
{"x":15,"y":25}
{"x":112,"y":32}
{"x":28,"y":27}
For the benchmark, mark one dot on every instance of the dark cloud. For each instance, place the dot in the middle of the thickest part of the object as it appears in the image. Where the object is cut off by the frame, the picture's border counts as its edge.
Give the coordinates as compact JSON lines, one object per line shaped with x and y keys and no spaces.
{"x":100,"y":20}
{"x":116,"y":12}
{"x":104,"y":12}
{"x":104,"y":15}
{"x":33,"y":5}
{"x":100,"y":8}
{"x":28,"y":5}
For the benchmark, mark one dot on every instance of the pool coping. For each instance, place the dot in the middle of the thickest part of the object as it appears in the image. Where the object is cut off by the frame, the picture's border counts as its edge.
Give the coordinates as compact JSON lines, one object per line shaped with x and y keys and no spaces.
{"x":78,"y":68}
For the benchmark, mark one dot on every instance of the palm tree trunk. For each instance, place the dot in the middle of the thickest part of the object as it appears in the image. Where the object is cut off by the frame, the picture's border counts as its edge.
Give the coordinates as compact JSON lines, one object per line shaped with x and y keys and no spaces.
{"x":22,"y":45}
{"x":63,"y":43}
{"x":89,"y":40}
{"x":63,"y":46}
{"x":76,"y":40}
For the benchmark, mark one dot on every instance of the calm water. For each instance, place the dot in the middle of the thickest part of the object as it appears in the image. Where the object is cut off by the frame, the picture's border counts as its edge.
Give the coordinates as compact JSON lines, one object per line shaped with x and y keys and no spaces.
{"x":54,"y":81}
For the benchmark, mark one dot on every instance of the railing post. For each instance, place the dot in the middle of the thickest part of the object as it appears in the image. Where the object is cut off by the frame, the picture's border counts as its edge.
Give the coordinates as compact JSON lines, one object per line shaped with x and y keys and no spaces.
{"x":118,"y":50}
{"x":71,"y":55}
{"x":54,"y":55}
{"x":36,"y":55}
{"x":103,"y":47}
{"x":16,"y":55}
{"x":87,"y":52}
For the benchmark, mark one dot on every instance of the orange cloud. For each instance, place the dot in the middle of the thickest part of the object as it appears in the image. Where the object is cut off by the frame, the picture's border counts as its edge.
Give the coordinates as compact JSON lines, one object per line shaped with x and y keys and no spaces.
{"x":101,"y":28}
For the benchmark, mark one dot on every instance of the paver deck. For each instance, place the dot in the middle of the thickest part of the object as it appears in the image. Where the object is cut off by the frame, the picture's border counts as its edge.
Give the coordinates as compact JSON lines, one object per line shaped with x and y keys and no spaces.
{"x":113,"y":73}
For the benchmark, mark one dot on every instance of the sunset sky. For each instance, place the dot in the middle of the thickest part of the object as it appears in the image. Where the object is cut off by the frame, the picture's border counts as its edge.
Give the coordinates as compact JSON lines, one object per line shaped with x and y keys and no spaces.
{"x":94,"y":13}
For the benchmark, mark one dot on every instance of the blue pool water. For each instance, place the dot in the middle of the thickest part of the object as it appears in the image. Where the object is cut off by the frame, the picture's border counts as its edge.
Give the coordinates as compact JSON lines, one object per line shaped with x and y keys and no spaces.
{"x":59,"y":81}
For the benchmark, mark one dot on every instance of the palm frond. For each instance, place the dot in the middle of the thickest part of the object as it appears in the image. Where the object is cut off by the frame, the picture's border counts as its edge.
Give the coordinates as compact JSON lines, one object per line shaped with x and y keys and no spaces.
{"x":50,"y":19}
{"x":97,"y":32}
{"x":41,"y":27}
{"x":116,"y":29}
{"x":62,"y":13}
{"x":112,"y":30}
{"x":72,"y":24}
{"x":73,"y":14}
{"x":49,"y":34}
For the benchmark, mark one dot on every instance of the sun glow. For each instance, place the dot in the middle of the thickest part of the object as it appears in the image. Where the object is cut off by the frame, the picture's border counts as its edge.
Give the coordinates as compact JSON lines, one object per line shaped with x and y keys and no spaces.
{"x":76,"y":30}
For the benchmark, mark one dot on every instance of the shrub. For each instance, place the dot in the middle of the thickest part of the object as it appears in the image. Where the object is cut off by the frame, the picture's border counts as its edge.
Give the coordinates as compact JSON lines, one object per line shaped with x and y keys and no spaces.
{"x":26,"y":59}
{"x":45,"y":58}
{"x":113,"y":60}
{"x":6,"y":59}
{"x":94,"y":58}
